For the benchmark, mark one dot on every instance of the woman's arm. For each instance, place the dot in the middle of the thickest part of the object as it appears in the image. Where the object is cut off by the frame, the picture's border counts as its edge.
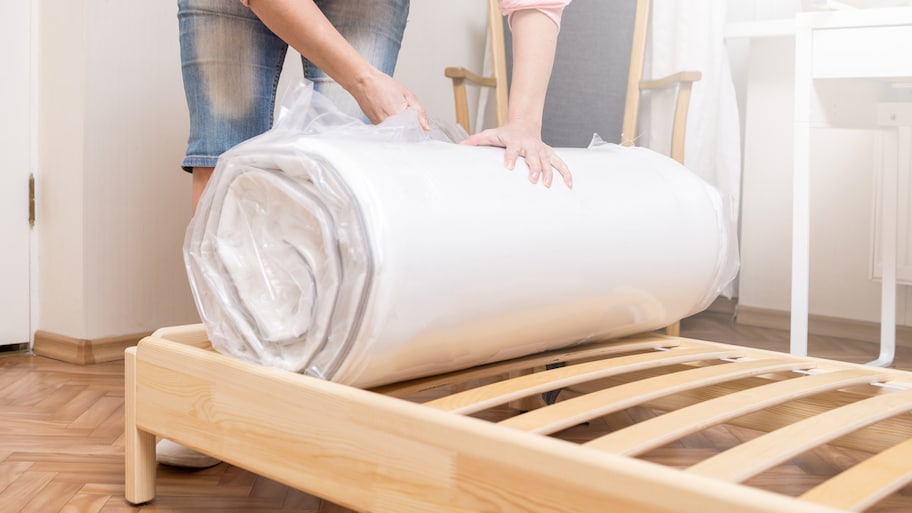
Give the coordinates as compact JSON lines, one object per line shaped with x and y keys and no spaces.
{"x":302,"y":25}
{"x":534,"y":43}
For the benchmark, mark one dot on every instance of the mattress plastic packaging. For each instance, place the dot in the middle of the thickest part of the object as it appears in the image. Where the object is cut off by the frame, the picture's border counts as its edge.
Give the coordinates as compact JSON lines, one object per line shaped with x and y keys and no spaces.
{"x":371,"y":254}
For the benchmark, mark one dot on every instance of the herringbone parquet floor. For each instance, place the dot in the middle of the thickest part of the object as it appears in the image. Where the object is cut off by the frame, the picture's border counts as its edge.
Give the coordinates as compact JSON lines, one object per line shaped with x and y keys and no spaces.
{"x":61,"y":441}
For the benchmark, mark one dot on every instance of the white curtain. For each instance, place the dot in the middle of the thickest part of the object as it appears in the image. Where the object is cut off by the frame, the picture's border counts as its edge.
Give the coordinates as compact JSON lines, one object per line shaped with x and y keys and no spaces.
{"x":690,"y":36}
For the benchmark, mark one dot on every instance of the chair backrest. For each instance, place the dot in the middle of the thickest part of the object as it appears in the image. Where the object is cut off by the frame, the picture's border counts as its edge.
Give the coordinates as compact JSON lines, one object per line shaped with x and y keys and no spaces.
{"x":598,"y":80}
{"x":590,"y":79}
{"x":595,"y":85}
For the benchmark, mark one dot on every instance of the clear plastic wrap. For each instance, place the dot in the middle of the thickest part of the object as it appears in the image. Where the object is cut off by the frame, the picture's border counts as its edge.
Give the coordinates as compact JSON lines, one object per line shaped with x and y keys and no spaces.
{"x":370,"y":254}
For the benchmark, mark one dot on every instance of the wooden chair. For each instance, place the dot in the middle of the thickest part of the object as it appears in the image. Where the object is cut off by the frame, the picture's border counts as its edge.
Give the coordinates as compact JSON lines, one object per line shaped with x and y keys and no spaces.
{"x":682,"y":81}
{"x":636,"y":84}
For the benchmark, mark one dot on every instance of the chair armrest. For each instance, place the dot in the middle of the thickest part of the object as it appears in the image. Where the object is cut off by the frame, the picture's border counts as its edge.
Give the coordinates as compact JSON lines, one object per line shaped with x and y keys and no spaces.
{"x":671,"y":80}
{"x":684,"y":80}
{"x":459,"y":76}
{"x":464,"y":74}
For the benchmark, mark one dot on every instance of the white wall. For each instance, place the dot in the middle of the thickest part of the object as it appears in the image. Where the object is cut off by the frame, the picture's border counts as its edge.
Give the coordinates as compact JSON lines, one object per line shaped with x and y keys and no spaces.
{"x":113,"y":203}
{"x":842,"y":180}
{"x":441,"y":34}
{"x":59,"y":180}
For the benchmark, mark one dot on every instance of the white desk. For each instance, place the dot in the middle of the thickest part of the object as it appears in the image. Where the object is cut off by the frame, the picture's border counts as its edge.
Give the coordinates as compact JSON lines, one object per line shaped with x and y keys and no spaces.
{"x":873,"y":45}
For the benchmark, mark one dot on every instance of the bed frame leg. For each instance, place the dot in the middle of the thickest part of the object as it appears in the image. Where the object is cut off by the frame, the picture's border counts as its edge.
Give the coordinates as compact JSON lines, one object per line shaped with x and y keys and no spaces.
{"x":140,"y":445}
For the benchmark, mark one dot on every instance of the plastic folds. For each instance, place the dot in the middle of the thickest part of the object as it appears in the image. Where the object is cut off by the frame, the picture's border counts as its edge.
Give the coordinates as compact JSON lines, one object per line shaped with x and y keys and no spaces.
{"x":372,"y":254}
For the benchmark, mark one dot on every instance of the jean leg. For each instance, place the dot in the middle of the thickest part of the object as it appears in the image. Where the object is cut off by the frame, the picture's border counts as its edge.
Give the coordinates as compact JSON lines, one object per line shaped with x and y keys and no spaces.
{"x":374,"y":28}
{"x":230,"y":64}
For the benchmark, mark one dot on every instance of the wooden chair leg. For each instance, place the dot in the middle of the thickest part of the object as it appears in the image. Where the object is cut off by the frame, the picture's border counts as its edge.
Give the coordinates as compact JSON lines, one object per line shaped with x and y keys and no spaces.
{"x":140,"y":445}
{"x":673,"y":330}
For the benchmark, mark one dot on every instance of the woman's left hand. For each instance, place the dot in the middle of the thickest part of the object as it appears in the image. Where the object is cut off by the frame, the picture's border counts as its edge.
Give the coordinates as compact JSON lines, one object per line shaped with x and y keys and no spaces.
{"x":522,"y":139}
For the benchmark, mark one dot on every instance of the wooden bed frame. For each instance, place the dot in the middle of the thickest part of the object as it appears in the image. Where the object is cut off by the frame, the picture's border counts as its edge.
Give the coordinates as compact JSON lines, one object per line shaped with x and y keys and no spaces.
{"x":372,"y":450}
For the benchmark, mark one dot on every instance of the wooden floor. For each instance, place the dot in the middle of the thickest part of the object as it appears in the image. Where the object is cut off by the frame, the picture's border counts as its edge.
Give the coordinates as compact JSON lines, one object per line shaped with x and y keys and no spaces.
{"x":61,"y":440}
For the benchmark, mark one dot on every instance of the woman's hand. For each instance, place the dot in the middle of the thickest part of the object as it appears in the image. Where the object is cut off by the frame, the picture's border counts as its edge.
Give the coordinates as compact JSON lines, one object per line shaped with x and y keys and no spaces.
{"x":534,"y":42}
{"x":523,"y":139}
{"x":380,"y":96}
{"x":302,"y":25}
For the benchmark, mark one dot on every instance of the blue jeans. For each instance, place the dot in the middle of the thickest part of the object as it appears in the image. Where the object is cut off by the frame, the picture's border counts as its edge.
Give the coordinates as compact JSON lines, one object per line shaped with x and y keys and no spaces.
{"x":231,"y":64}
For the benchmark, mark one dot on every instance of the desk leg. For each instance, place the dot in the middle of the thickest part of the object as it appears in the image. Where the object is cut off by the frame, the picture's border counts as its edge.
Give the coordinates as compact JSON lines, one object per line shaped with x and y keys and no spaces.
{"x":896,"y":153}
{"x":801,"y":233}
{"x":801,"y":211}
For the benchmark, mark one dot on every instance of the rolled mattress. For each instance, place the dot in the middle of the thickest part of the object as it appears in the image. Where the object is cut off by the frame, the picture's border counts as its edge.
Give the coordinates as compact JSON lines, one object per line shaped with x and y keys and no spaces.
{"x":367,"y":261}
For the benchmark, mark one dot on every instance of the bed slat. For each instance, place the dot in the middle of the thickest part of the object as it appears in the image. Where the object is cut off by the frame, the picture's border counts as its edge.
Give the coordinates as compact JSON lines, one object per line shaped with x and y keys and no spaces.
{"x":671,"y":426}
{"x":574,"y":411}
{"x":766,"y":451}
{"x":632,"y":344}
{"x":488,"y":396}
{"x":868,"y":482}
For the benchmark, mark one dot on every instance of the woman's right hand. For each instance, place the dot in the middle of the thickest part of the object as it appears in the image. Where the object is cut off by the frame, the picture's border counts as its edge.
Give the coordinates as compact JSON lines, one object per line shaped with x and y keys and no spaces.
{"x":302,"y":25}
{"x":381,"y":96}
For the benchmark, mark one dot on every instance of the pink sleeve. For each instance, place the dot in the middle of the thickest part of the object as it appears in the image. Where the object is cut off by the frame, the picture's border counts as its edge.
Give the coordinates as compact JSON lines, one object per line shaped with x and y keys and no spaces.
{"x":245,"y":2}
{"x":551,"y":8}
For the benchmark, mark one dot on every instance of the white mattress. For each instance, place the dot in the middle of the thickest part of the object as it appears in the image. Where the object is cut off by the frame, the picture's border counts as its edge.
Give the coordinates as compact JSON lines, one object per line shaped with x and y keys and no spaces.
{"x":366,"y":260}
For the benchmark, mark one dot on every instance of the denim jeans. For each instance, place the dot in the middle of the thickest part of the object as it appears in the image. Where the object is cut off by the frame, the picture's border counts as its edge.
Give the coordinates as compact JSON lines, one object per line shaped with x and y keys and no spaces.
{"x":231,"y":65}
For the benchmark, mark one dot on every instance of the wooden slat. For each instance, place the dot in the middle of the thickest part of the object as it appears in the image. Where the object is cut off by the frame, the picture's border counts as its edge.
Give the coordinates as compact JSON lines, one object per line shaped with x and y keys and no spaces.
{"x":664,"y":429}
{"x":502,"y":392}
{"x":867,"y":483}
{"x":766,"y":451}
{"x":574,"y":411}
{"x":874,"y":438}
{"x":571,"y":354}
